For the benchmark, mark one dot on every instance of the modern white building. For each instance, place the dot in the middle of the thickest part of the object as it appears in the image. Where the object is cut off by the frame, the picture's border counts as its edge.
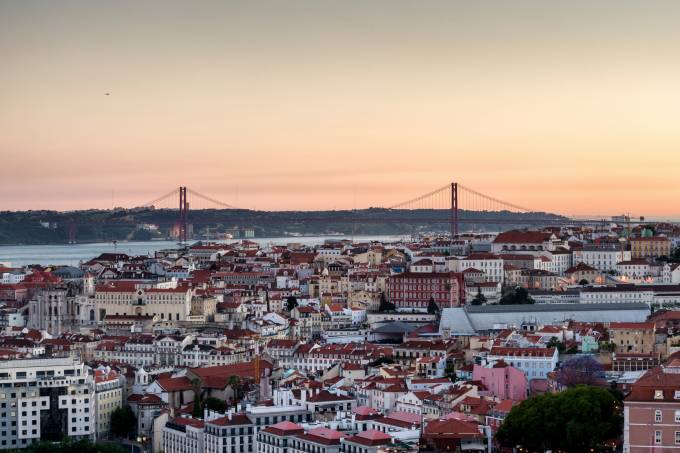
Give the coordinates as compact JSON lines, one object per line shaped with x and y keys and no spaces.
{"x":604,"y":258}
{"x":490,"y":264}
{"x":45,"y":400}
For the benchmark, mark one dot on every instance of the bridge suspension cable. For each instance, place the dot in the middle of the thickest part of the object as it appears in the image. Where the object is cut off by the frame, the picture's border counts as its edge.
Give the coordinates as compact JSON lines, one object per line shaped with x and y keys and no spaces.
{"x":493,"y":199}
{"x":413,"y":201}
{"x":172,"y":193}
{"x":211,"y":200}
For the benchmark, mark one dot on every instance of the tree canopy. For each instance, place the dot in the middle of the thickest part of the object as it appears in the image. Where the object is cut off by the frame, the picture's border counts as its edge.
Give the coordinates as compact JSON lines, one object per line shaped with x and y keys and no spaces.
{"x":581,"y":370}
{"x":123,"y":421}
{"x":432,"y":307}
{"x":675,"y":255}
{"x":215,"y":404}
{"x":381,"y":361}
{"x":291,"y":302}
{"x":197,"y":409}
{"x":516,"y":296}
{"x":70,"y":446}
{"x":576,"y":419}
{"x":384,"y":304}
{"x":479,"y":299}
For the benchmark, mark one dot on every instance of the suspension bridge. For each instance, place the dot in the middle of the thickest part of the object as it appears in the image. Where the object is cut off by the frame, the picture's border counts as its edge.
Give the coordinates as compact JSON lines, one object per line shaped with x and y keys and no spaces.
{"x":440,"y":206}
{"x":451,"y":205}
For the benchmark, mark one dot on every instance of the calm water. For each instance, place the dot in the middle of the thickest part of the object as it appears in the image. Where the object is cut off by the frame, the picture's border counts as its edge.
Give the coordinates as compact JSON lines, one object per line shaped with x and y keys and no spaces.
{"x":19,"y":255}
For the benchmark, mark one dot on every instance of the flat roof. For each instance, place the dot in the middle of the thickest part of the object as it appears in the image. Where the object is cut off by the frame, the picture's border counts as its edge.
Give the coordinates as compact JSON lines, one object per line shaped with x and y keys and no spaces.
{"x":529,"y":308}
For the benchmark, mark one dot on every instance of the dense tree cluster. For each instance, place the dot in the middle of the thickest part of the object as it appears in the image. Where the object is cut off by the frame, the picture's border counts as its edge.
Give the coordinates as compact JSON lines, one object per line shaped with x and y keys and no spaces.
{"x":69,"y":446}
{"x":385,"y":305}
{"x":516,"y":296}
{"x":432,"y":307}
{"x":581,"y":370}
{"x":574,"y":420}
{"x":123,"y":421}
{"x":479,"y":299}
{"x":291,"y":302}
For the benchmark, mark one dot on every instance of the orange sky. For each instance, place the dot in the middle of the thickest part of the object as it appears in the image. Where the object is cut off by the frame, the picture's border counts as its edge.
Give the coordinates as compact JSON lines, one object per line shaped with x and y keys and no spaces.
{"x":320,"y":104}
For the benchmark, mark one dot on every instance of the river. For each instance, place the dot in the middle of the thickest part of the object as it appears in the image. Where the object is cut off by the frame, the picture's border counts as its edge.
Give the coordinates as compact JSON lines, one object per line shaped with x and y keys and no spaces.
{"x":21,"y":255}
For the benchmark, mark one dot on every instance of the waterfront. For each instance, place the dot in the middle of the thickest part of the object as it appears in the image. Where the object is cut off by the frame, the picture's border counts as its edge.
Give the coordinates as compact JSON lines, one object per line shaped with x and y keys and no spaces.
{"x":73,"y":254}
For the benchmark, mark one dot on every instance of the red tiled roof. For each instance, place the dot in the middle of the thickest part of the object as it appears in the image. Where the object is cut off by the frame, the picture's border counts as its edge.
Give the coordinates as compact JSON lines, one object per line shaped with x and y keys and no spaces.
{"x":323,"y":436}
{"x":665,"y":379}
{"x":170,"y":384}
{"x":521,"y":237}
{"x":370,"y":438}
{"x":234,"y":420}
{"x":324,"y":396}
{"x":451,"y":429}
{"x":186,"y":421}
{"x":284,"y":428}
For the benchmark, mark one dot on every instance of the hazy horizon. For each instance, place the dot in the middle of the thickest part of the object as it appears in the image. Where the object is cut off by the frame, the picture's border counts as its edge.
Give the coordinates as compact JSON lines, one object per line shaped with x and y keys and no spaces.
{"x":569,"y":108}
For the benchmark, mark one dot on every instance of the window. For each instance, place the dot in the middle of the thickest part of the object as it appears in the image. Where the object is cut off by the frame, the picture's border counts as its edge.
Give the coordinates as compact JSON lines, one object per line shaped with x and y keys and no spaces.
{"x":657,"y":437}
{"x":657,"y":416}
{"x":658,"y":394}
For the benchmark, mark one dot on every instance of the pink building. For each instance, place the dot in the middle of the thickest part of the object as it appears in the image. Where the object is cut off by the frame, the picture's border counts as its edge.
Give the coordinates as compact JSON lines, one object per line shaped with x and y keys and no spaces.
{"x":652,"y":411}
{"x":503,"y":381}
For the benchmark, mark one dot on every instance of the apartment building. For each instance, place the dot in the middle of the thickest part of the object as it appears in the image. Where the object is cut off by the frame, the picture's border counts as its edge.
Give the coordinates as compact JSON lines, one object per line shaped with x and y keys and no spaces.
{"x":45,"y":400}
{"x":535,"y":363}
{"x":604,"y":257}
{"x":650,"y":247}
{"x":415,"y":289}
{"x":109,"y":388}
{"x":231,"y":433}
{"x":185,"y":435}
{"x":651,"y":411}
{"x":633,"y":337}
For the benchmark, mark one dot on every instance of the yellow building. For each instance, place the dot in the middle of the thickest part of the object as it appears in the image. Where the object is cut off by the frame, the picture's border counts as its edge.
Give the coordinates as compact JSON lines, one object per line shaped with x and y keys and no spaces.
{"x":108,"y":397}
{"x":632,"y":337}
{"x":650,"y":247}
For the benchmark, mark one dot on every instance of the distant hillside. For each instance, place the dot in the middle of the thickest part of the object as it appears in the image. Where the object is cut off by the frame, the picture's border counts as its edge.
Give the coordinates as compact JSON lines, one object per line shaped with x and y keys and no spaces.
{"x":53,"y":227}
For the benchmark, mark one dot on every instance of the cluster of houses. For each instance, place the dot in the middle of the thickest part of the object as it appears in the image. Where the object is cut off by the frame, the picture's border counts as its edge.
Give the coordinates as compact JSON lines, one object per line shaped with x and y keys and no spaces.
{"x":343,"y":346}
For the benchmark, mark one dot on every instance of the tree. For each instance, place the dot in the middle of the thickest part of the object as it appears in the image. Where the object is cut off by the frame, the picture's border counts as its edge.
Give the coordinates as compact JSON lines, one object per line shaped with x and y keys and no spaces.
{"x":555,"y":343}
{"x":607,"y":346}
{"x":581,"y":370}
{"x":70,"y":446}
{"x":450,"y":372}
{"x":381,"y":361}
{"x":291,"y":302}
{"x":197,"y":410}
{"x":237,"y":386}
{"x":215,"y":404}
{"x":384,"y":304}
{"x":123,"y":421}
{"x":479,"y":299}
{"x":576,"y":419}
{"x":675,"y":255}
{"x":432,"y":307}
{"x":516,"y":296}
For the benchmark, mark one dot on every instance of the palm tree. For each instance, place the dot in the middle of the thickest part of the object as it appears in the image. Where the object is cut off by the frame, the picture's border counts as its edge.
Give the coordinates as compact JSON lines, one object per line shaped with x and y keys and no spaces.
{"x":198,"y":398}
{"x":236,"y":386}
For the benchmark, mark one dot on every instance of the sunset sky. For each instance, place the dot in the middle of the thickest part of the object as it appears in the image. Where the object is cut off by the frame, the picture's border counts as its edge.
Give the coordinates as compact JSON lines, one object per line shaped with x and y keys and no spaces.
{"x":569,"y":107}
